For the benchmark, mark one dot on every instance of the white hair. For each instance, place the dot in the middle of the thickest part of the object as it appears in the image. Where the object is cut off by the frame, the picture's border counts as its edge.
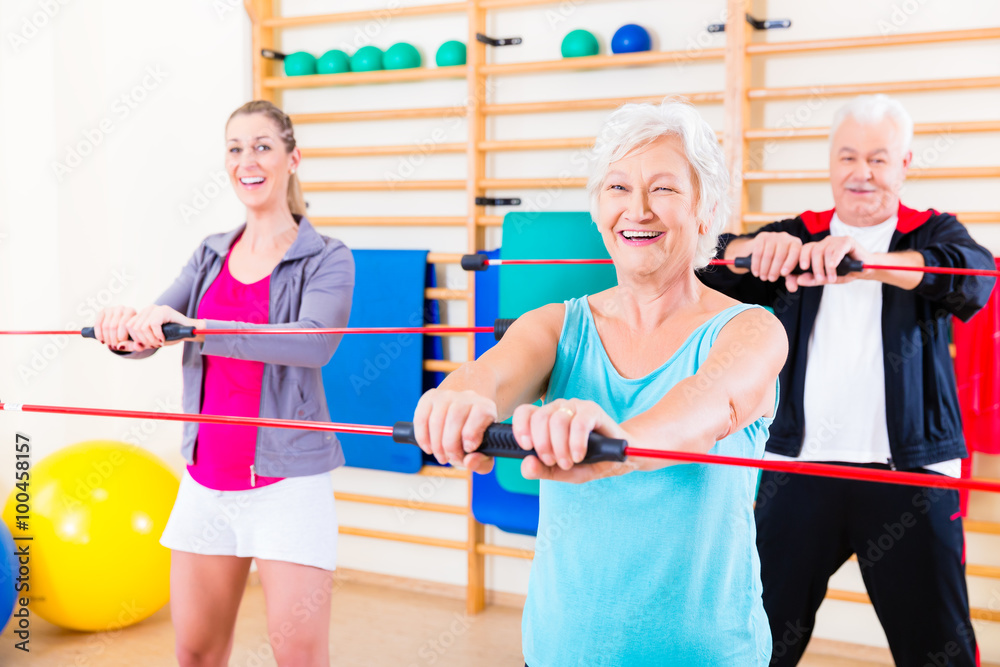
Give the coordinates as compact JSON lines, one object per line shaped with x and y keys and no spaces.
{"x":634,"y":126}
{"x":871,"y":109}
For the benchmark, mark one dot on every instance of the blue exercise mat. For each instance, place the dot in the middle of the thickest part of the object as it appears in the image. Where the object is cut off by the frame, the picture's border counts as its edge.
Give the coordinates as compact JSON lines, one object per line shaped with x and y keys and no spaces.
{"x":491,"y":503}
{"x":378,"y":378}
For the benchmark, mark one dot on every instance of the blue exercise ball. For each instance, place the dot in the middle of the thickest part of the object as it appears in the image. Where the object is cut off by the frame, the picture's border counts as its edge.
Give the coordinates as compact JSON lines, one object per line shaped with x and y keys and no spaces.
{"x":630,"y":38}
{"x":8,"y":575}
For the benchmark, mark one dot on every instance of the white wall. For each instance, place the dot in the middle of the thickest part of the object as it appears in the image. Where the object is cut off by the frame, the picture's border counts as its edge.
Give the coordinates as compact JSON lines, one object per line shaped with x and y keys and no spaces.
{"x":119,"y":224}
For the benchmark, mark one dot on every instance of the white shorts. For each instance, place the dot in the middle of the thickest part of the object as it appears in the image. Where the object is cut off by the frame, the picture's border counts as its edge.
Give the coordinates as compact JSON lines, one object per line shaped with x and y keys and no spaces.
{"x":293,"y":520}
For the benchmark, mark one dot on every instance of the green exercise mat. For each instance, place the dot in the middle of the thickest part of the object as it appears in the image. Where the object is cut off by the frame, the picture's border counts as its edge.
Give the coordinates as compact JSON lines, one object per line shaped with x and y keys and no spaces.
{"x":569,"y":235}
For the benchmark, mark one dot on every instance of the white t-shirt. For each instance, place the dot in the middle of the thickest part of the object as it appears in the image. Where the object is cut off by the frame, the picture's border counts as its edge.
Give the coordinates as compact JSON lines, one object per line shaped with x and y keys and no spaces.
{"x":844,"y":398}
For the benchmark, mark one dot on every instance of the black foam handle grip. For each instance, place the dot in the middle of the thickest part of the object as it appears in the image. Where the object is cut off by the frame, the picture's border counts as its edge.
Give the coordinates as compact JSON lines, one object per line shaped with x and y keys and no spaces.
{"x":475,"y":262}
{"x":499,"y":441}
{"x":171,"y":331}
{"x":500,"y":327}
{"x":847,"y":265}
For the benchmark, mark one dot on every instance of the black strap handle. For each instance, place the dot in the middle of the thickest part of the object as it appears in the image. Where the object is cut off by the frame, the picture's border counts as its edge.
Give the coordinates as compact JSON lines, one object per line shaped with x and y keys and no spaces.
{"x":477,"y":262}
{"x":500,"y":326}
{"x":171,"y":331}
{"x":499,"y":441}
{"x":847,"y":265}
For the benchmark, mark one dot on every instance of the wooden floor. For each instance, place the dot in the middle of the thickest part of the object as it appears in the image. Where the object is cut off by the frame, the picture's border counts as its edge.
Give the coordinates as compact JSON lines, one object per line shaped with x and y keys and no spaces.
{"x":372,"y":626}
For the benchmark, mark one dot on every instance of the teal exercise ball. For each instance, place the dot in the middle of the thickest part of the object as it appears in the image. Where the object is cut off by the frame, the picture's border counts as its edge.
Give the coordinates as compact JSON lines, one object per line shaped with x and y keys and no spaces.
{"x":333,"y":61}
{"x":300,"y":63}
{"x":402,"y":56}
{"x":450,"y":53}
{"x":579,"y":43}
{"x":366,"y":59}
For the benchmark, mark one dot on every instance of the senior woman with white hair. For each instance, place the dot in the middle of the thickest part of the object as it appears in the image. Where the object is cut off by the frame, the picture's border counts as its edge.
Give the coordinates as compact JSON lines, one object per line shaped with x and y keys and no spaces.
{"x":642,"y":562}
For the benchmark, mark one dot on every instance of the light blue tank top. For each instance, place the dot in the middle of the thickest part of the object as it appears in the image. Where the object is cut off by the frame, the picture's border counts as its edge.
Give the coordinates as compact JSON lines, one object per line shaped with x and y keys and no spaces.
{"x":649,"y":568}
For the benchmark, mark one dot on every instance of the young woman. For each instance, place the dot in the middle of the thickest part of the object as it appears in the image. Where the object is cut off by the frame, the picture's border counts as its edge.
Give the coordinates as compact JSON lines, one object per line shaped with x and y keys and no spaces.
{"x":253,"y":494}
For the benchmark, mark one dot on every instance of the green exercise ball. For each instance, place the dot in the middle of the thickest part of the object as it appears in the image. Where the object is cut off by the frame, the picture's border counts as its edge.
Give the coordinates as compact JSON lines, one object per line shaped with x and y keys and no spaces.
{"x":401,"y":56}
{"x":300,"y":63}
{"x":334,"y":61}
{"x":366,"y":59}
{"x":451,"y":53}
{"x":579,"y":43}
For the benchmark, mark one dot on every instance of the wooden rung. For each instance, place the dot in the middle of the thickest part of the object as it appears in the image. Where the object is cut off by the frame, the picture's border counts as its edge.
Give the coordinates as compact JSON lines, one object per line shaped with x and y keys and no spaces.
{"x":536,"y":144}
{"x":445,"y":294}
{"x":441,"y":366}
{"x":380,"y":15}
{"x":376,"y":114}
{"x":532,"y":183}
{"x":867,"y":88}
{"x":353,"y":186}
{"x":760,"y":133}
{"x":401,"y":537}
{"x":822,"y":175}
{"x":591,"y":104}
{"x":602,"y":62}
{"x":490,"y":220}
{"x":985,"y":527}
{"x":442,"y":335}
{"x":444,"y":471}
{"x":979,"y":216}
{"x":507,"y":4}
{"x":390,"y":221}
{"x":965,"y":217}
{"x":359,"y":78}
{"x":397,"y":502}
{"x":364,"y":151}
{"x":444,"y":257}
{"x":987,"y":571}
{"x":496,"y":550}
{"x":862,"y":598}
{"x":870,"y":41}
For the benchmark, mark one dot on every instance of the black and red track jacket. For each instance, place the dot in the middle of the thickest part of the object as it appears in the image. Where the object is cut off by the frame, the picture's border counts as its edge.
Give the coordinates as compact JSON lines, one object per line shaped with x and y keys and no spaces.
{"x":922,"y":412}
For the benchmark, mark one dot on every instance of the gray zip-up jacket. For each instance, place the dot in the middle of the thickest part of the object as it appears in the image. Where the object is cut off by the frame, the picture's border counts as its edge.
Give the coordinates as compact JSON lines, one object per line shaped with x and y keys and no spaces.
{"x":311,"y":287}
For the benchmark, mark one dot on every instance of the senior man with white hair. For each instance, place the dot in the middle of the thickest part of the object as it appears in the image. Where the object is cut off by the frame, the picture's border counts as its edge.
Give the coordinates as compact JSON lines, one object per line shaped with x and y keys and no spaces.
{"x":868,"y":382}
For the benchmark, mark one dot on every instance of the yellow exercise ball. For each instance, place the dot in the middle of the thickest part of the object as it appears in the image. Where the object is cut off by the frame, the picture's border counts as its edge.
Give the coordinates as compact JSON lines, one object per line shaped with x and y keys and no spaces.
{"x":96,"y":512}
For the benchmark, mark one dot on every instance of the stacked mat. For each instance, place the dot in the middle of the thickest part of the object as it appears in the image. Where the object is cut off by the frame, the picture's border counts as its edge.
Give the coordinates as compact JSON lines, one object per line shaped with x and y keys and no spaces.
{"x":378,"y":378}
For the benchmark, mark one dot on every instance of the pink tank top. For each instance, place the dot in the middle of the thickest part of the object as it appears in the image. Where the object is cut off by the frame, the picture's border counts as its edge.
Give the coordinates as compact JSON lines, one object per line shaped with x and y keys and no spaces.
{"x":224,"y":455}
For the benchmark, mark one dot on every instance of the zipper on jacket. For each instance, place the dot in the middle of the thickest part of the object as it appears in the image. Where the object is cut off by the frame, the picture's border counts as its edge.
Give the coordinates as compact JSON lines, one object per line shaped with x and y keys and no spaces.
{"x":892,"y":466}
{"x":253,"y":477}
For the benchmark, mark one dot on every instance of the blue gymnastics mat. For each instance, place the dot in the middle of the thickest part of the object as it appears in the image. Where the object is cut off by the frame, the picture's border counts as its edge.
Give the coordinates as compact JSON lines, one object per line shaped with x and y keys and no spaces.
{"x":378,"y":378}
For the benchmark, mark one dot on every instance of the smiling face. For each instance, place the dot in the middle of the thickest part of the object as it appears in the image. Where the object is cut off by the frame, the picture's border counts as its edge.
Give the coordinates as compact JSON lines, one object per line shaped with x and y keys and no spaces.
{"x":867,"y":168}
{"x":258,"y":162}
{"x":647,"y":209}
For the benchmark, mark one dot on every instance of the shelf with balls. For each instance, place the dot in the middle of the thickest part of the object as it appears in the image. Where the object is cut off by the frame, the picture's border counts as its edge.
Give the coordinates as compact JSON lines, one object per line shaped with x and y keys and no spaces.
{"x":399,"y":63}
